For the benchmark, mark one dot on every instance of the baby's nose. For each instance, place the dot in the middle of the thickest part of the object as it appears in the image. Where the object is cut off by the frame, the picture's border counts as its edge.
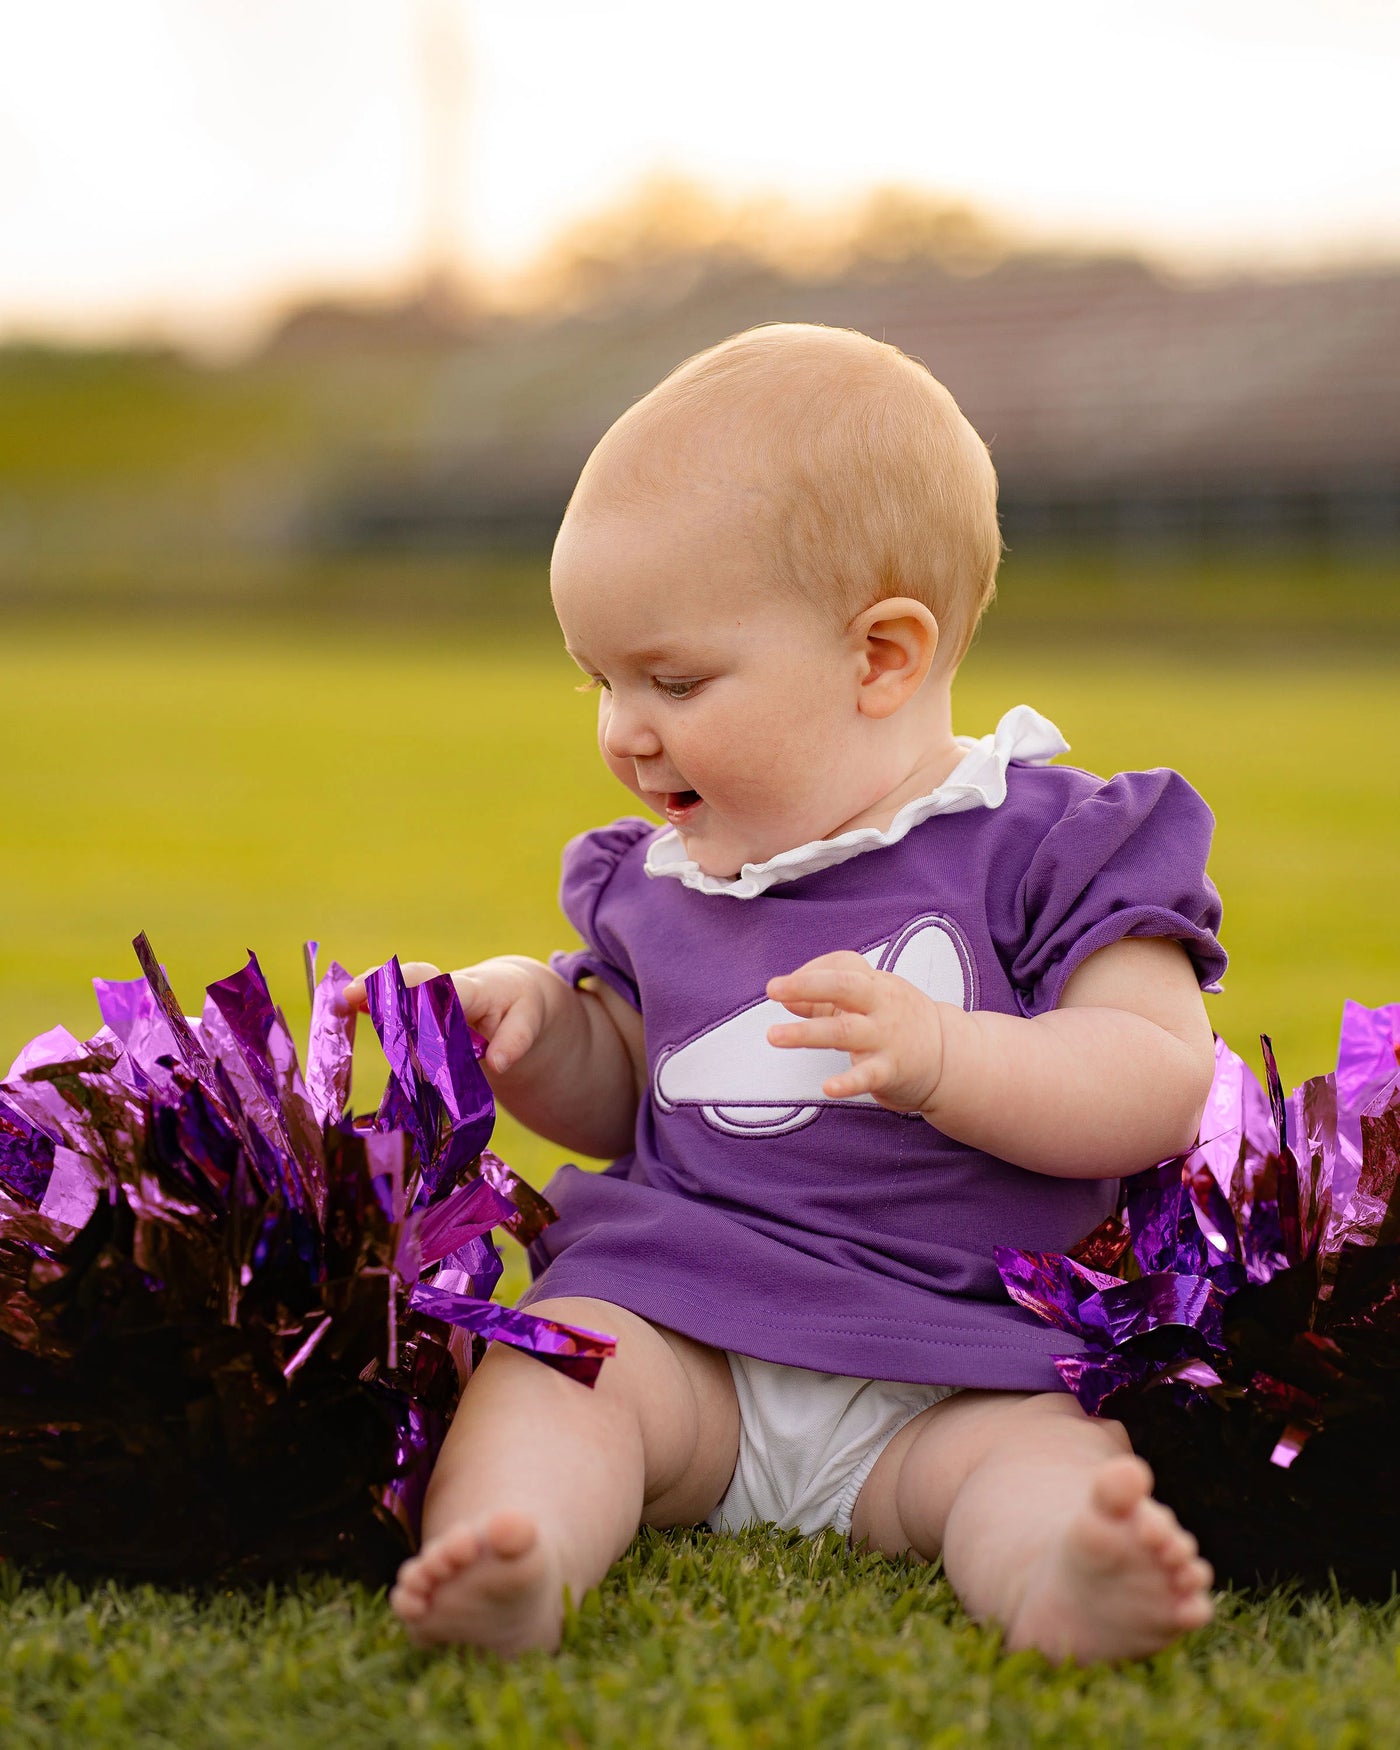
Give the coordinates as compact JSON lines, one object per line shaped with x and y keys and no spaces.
{"x":627,"y":734}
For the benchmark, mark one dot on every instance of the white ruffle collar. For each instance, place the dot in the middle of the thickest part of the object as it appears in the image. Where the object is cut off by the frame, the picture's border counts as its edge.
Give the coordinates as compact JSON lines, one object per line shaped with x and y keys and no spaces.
{"x":977,"y":781}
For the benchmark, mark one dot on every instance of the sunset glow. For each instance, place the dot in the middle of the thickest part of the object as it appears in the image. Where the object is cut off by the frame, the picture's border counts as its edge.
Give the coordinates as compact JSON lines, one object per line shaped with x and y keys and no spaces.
{"x":186,"y":165}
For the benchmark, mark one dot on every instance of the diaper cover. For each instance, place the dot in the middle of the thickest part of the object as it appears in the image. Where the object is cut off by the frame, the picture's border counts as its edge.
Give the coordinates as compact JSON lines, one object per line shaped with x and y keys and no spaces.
{"x":808,"y":1441}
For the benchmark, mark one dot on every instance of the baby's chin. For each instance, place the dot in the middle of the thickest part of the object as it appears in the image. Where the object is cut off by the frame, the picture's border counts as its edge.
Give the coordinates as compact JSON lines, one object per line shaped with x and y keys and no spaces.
{"x":724,"y":857}
{"x":720,"y":860}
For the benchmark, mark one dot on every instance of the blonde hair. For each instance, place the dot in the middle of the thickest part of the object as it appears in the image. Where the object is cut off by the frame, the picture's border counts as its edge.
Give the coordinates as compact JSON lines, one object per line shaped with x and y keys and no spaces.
{"x":880,"y":486}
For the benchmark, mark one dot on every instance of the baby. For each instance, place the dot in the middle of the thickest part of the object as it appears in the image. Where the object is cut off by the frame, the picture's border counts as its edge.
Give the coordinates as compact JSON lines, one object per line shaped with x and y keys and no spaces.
{"x":874,"y":1000}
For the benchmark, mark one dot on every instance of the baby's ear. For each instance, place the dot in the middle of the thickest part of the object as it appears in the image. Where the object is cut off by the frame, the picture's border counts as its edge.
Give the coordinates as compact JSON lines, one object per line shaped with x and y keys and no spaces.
{"x":898,"y":640}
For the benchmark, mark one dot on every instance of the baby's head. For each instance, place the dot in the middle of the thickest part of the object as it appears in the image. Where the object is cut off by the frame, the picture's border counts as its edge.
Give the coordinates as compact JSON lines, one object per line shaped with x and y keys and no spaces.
{"x":773,"y":564}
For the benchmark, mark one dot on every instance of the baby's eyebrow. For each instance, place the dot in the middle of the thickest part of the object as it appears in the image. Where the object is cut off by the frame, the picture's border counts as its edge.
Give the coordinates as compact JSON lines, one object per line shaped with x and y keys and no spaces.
{"x":664,"y":655}
{"x":655,"y":656}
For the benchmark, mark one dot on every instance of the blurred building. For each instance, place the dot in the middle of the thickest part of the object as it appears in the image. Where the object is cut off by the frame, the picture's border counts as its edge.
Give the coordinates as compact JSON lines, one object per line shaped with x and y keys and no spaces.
{"x":1117,"y":403}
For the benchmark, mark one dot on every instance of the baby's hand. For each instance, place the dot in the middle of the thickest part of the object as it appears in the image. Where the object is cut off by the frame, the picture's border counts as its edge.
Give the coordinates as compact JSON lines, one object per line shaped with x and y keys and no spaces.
{"x":504,"y":999}
{"x":893,"y":1032}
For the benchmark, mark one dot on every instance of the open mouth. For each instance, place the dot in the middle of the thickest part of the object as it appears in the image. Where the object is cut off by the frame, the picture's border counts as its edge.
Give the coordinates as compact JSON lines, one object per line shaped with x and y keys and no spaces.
{"x":681,"y":804}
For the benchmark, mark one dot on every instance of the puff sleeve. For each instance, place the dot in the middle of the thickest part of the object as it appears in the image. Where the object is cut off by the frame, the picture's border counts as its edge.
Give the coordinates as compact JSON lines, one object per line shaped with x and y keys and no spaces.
{"x":589,"y":864}
{"x":1128,"y":859}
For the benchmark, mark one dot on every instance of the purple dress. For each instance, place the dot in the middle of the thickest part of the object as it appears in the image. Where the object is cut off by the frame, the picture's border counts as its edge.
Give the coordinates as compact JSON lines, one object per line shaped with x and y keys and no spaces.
{"x":756,"y":1215}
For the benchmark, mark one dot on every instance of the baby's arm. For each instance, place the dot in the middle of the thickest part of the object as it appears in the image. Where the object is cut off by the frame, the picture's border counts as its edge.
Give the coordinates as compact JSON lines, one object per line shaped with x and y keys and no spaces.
{"x":1111,"y":1081}
{"x":568,"y":1063}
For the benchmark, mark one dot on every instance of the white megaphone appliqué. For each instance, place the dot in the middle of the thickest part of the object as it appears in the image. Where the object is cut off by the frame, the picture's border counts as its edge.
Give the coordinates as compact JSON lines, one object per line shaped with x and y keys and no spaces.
{"x":747,"y":1087}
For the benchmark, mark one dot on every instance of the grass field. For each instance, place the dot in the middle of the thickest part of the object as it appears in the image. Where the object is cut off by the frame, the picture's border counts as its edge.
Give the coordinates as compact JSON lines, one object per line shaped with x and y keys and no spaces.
{"x":229,"y":789}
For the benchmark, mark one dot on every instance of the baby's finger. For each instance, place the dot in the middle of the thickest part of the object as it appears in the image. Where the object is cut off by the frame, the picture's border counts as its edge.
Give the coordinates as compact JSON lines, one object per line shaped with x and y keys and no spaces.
{"x":839,"y":1032}
{"x":478,"y":1005}
{"x":839,"y":960}
{"x":355,"y":996}
{"x":417,"y":971}
{"x":868,"y":1076}
{"x":841,"y":988}
{"x":517,"y":1032}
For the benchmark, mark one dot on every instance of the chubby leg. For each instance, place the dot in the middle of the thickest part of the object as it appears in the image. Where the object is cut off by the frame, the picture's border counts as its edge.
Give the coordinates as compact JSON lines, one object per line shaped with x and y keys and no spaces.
{"x":1046,"y":1525}
{"x":543,"y":1482}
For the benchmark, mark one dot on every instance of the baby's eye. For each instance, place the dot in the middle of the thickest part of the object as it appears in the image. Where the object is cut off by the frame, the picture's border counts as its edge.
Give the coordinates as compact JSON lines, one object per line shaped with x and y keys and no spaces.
{"x":674,"y":689}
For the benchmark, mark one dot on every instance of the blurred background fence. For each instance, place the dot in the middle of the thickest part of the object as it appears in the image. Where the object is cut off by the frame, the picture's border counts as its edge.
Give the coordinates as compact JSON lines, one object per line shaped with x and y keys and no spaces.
{"x":1174,"y":454}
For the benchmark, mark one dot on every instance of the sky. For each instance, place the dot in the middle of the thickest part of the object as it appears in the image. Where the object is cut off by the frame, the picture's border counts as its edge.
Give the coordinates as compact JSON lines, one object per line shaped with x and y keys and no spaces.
{"x":184,"y":167}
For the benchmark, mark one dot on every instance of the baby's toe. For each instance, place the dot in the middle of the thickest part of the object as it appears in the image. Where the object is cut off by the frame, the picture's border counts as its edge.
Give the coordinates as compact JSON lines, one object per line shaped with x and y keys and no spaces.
{"x":1194,"y":1575}
{"x":510,"y":1534}
{"x":407,"y":1604}
{"x":413,"y":1577}
{"x":1177,"y":1557}
{"x":449,"y":1554}
{"x":1183,"y":1547}
{"x":1121,"y":1485}
{"x":1194,"y":1612}
{"x":1159,"y":1530}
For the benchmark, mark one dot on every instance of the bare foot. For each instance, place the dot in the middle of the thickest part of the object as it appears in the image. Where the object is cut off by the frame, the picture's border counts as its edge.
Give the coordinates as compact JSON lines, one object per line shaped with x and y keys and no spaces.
{"x":1123,"y":1581}
{"x":490,"y":1585}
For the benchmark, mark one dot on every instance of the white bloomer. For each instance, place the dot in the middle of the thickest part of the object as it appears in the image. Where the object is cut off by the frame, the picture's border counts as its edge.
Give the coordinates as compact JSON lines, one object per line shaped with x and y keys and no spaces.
{"x":808,"y":1441}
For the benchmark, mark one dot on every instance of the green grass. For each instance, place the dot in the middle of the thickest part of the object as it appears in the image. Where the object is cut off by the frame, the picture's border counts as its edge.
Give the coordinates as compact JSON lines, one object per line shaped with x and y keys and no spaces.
{"x":740,"y":1642}
{"x":226,"y":789}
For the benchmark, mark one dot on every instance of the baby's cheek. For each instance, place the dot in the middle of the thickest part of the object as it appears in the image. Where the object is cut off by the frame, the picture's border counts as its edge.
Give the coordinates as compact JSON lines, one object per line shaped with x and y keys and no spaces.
{"x":622,"y":770}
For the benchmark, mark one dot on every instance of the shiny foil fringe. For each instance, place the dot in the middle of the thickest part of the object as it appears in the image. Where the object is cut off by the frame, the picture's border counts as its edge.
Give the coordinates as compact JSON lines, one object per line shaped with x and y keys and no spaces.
{"x":234,"y":1323}
{"x":1241,"y":1317}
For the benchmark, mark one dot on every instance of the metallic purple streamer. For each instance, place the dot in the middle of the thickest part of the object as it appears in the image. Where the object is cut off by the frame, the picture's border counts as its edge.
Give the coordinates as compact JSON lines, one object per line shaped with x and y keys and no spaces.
{"x":26,"y":1154}
{"x":188,"y":1048}
{"x":384,"y":1151}
{"x":1278,"y":1106}
{"x":447,"y":1056}
{"x":1214,"y":1216}
{"x":218,"y":1038}
{"x":70,"y":1092}
{"x":1096,"y":1375}
{"x":436,"y":1090}
{"x":421,"y":1431}
{"x":1192,"y":1371}
{"x":532,"y":1211}
{"x":1060,"y":1291}
{"x":473,"y":1268}
{"x":73,"y":1191}
{"x":56,"y":1046}
{"x":132,"y":1017}
{"x":307,"y":1348}
{"x":1286,"y":1201}
{"x":125,"y":1003}
{"x":1380,"y":1169}
{"x":1128,"y":1309}
{"x":1368,"y":1053}
{"x":130,"y":1012}
{"x":1103,"y":1247}
{"x":1236,"y":1124}
{"x":37,"y":1099}
{"x":1263,"y":1245}
{"x":1313,"y":1125}
{"x":568,"y":1348}
{"x":264,"y":1040}
{"x":1157,"y":1208}
{"x":330,"y":1047}
{"x":465,"y":1213}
